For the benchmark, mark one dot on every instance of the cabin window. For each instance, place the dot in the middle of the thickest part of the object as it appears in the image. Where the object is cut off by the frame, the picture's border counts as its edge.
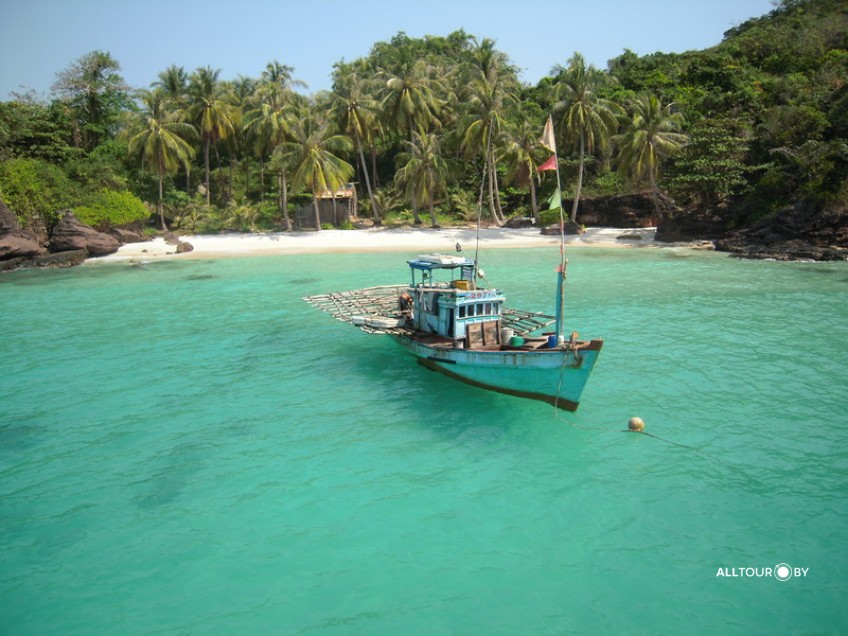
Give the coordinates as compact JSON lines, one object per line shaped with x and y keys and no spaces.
{"x":462,"y":311}
{"x":487,"y":309}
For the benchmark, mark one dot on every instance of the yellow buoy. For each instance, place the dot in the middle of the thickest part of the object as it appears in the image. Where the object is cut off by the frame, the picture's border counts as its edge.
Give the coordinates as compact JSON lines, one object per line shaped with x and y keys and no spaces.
{"x":636,"y":424}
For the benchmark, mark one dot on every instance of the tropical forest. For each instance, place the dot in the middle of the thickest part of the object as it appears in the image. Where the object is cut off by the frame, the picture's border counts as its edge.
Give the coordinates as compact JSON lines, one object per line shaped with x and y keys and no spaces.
{"x":439,"y":130}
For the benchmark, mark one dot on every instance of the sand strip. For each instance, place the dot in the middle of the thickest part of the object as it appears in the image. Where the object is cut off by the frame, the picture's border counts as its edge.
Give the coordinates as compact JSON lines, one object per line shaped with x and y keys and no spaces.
{"x":371,"y":240}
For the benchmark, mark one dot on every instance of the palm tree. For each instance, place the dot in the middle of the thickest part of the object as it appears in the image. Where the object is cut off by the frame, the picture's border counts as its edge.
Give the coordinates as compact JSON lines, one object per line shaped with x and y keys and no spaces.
{"x":313,"y":152}
{"x":239,"y":93}
{"x":214,"y":117}
{"x":489,"y":93}
{"x":279,"y":76}
{"x":652,"y":134}
{"x":423,"y":170}
{"x":411,"y":104}
{"x":160,"y":140}
{"x":587,"y":119}
{"x":356,"y":109}
{"x":173,"y":82}
{"x":269,"y":123}
{"x":522,"y":153}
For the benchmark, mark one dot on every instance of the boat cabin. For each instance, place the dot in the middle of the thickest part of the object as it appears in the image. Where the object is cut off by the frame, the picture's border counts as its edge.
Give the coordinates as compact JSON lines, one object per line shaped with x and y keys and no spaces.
{"x":445,"y":302}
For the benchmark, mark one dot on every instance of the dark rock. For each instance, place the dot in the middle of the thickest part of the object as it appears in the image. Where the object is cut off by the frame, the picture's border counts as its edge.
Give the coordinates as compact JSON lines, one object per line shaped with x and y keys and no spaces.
{"x":13,"y":263}
{"x":571,"y":228}
{"x":8,"y":219}
{"x":629,"y":237}
{"x":72,"y":234}
{"x":695,"y":225}
{"x":69,"y":258}
{"x":15,"y":244}
{"x":518,"y":222}
{"x":183,"y":247}
{"x":625,"y":211}
{"x":126,"y":235}
{"x":574,"y":228}
{"x":14,"y":241}
{"x":800,"y":232}
{"x":47,"y":260}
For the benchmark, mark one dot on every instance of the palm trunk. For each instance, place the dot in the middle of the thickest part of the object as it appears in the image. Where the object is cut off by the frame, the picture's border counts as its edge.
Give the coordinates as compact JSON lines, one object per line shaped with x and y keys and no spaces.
{"x":533,"y":205}
{"x":374,"y":166}
{"x":498,"y":208}
{"x":417,"y":218}
{"x":261,"y":179}
{"x":230,"y":194}
{"x":655,"y":195}
{"x":246,"y":180}
{"x":160,"y":206}
{"x":493,"y":208}
{"x":317,"y":212}
{"x":579,"y":180}
{"x":284,"y":188}
{"x":433,"y":213}
{"x":280,"y":192}
{"x":206,"y":165}
{"x":374,"y":210}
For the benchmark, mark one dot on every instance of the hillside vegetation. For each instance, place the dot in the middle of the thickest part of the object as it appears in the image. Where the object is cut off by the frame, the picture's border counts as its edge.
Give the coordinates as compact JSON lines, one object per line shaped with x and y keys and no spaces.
{"x":755,"y":124}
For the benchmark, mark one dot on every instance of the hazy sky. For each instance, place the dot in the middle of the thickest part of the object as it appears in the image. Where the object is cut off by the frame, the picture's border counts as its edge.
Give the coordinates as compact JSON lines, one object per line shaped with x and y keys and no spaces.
{"x":39,"y":38}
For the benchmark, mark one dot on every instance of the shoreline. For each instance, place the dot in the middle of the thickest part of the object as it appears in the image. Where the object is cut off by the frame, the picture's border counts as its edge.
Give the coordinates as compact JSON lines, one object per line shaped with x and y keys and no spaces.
{"x":373,"y":240}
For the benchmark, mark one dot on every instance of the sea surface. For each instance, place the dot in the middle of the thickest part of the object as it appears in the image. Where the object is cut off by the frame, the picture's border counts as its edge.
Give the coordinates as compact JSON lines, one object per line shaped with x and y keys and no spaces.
{"x":188,"y":448}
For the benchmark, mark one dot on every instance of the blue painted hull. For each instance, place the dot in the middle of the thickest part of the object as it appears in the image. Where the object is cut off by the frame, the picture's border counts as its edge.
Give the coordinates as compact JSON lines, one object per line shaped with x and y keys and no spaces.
{"x":556,"y":376}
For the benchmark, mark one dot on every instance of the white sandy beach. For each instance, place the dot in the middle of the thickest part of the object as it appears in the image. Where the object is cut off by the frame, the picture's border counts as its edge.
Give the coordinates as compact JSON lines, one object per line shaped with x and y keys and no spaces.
{"x":371,"y":240}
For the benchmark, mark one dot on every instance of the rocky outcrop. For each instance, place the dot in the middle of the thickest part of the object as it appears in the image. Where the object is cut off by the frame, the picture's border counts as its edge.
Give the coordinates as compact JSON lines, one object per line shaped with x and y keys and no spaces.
{"x":695,"y":225}
{"x":182,"y":246}
{"x":14,"y":241}
{"x":800,"y":232}
{"x":625,"y":211}
{"x":126,"y":235}
{"x":72,"y":234}
{"x":569,"y":229}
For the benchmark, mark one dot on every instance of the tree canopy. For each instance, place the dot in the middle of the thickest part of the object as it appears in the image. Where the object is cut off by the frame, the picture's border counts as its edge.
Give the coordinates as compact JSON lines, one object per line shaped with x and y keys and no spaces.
{"x":755,"y":123}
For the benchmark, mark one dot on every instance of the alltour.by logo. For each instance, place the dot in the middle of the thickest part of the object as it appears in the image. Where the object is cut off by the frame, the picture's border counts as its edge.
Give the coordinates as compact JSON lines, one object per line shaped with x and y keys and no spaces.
{"x":781,"y":572}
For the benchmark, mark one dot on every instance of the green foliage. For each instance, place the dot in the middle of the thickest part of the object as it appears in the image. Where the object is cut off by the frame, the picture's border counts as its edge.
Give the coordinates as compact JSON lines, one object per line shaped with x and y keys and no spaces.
{"x":766,"y":113}
{"x":109,"y":208}
{"x":95,"y":94}
{"x":35,"y":190}
{"x":549,"y":217}
{"x":606,"y":184}
{"x":31,"y":130}
{"x":712,"y":168}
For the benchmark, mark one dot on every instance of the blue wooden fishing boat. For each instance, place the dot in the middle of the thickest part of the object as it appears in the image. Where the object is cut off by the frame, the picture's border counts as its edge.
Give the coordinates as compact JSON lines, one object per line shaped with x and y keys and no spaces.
{"x":457,"y":326}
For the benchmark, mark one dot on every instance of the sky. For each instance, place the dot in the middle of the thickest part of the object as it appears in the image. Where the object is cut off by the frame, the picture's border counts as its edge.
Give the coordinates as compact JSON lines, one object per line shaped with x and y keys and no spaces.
{"x":39,"y":38}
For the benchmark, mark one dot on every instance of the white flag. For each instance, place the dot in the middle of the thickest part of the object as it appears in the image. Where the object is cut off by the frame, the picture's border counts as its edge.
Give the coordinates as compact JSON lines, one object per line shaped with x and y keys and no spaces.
{"x":547,"y":139}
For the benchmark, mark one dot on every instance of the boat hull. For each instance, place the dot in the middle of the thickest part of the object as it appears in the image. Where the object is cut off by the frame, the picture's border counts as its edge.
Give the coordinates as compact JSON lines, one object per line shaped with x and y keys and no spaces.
{"x":555,"y":376}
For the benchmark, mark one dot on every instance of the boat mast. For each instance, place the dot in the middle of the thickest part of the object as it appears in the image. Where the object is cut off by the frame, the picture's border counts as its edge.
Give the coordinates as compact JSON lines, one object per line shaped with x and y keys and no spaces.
{"x":549,"y":142}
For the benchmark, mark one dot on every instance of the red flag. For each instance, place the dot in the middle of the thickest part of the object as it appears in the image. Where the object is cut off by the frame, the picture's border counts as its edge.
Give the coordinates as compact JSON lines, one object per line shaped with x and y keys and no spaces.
{"x":550,"y":164}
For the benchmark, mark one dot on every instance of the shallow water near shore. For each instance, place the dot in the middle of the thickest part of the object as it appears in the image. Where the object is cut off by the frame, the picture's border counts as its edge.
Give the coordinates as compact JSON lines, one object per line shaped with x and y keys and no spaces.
{"x":186,"y":447}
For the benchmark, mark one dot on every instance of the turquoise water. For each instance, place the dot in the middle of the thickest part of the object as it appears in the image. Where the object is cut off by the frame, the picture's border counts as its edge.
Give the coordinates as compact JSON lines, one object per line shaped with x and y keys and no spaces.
{"x":187,"y":448}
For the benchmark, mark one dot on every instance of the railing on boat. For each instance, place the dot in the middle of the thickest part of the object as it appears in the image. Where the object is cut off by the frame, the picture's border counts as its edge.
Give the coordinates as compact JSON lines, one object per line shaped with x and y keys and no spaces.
{"x":383,"y":301}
